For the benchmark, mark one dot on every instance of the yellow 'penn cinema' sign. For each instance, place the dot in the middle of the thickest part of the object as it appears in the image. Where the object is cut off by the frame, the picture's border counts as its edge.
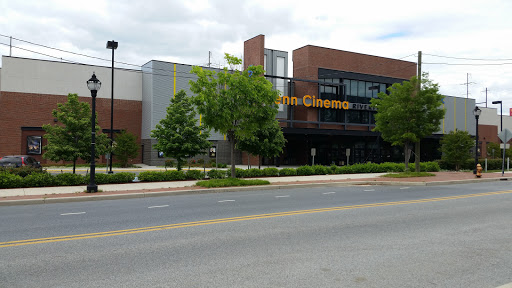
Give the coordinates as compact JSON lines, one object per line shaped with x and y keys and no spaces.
{"x":312,"y":101}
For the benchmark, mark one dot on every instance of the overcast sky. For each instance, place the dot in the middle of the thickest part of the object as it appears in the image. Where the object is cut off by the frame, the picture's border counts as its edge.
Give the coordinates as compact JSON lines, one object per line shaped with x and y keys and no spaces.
{"x":184,"y":32}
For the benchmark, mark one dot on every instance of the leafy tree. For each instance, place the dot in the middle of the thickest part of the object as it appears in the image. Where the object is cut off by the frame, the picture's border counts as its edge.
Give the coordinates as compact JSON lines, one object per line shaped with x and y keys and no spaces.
{"x":71,"y":138}
{"x":405,"y":116}
{"x":496,"y":147}
{"x":234,"y":103}
{"x":125,"y":147}
{"x":265,"y":142}
{"x":178,"y":134}
{"x":456,"y":147}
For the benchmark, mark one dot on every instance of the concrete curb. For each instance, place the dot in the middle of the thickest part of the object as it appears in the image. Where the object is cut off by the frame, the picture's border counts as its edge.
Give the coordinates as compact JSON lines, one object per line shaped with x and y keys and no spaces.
{"x":48,"y":199}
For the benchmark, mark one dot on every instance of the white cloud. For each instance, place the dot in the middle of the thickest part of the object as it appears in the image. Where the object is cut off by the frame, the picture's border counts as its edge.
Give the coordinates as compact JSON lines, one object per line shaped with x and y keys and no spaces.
{"x":184,"y":31}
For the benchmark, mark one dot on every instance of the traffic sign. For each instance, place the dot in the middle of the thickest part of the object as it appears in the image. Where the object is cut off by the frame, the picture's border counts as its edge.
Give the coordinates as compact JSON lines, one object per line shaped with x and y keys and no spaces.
{"x":505,"y":135}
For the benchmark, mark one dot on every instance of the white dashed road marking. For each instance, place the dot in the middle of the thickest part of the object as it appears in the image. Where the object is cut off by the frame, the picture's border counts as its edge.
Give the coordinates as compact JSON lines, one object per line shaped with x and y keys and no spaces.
{"x":327,"y":193}
{"x":226,"y":201}
{"x":369,"y":190}
{"x":284,"y":196}
{"x":76,"y":213}
{"x":403,"y":188}
{"x":161,"y":206}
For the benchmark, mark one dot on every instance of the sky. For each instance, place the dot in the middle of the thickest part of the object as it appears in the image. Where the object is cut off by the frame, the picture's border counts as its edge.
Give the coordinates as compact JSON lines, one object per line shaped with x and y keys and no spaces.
{"x":461,"y":41}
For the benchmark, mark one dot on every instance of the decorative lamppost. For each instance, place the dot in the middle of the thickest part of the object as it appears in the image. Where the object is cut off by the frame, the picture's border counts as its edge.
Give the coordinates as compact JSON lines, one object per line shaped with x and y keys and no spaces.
{"x":477,"y":113}
{"x":112,"y":45}
{"x":94,"y":85}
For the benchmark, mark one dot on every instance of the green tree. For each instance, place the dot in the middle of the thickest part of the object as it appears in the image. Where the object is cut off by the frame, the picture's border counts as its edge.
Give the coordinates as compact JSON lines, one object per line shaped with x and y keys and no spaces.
{"x":496,"y":147}
{"x":125,"y":147}
{"x":179,"y":136}
{"x":456,"y":147}
{"x":234,"y":103}
{"x":405,"y":116}
{"x":267,"y":141}
{"x":70,"y":139}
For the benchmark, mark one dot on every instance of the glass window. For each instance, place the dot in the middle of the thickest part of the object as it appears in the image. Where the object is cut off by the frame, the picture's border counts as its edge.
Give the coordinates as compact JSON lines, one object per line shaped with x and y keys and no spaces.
{"x":361,"y":91}
{"x":353,"y":88}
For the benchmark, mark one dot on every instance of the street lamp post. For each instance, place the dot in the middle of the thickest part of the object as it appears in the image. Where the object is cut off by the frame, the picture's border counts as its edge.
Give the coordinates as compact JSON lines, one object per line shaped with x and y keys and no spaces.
{"x":501,"y":129}
{"x":94,"y":85}
{"x":112,"y":45}
{"x":477,"y":113}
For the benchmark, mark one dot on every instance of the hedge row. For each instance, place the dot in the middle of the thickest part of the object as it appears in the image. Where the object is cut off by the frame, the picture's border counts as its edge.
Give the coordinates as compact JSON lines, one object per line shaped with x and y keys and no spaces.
{"x":323,"y":170}
{"x":43,"y":179}
{"x":469,"y":164}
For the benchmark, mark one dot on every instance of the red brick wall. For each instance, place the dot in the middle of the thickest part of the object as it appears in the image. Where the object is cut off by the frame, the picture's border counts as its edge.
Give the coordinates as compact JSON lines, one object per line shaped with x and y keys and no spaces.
{"x":308,"y":59}
{"x":254,"y":51}
{"x":34,"y":110}
{"x":487,"y":133}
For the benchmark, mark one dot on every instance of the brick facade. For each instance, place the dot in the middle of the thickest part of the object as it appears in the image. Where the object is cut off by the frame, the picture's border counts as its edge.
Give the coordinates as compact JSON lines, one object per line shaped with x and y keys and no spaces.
{"x":31,"y":111}
{"x":254,"y":51}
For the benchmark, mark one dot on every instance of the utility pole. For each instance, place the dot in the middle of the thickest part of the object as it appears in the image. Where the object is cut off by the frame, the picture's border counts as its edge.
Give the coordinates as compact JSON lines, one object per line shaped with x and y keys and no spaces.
{"x":10,"y":46}
{"x":418,"y":144}
{"x":209,"y":62}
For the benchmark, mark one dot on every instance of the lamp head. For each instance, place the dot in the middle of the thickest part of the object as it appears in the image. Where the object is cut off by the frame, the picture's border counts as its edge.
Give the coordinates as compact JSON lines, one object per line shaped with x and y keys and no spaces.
{"x":94,"y":84}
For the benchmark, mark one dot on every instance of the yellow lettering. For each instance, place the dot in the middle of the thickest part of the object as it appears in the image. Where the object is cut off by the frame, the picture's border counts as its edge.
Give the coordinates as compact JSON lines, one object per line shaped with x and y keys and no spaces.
{"x":319,"y":103}
{"x":345,"y":105}
{"x":294,"y":100}
{"x":327,"y":104}
{"x":286,"y":100}
{"x":336,"y":104}
{"x":278,"y":101}
{"x":304,"y":100}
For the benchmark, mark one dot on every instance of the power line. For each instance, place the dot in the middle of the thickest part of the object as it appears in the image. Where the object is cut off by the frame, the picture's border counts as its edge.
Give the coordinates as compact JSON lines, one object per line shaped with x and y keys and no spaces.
{"x":469,"y":64}
{"x":471,"y":59}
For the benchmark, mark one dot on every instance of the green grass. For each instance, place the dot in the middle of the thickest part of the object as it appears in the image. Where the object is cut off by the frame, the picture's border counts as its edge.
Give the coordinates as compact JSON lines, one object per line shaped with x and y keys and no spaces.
{"x":230,"y":182}
{"x":408,"y":174}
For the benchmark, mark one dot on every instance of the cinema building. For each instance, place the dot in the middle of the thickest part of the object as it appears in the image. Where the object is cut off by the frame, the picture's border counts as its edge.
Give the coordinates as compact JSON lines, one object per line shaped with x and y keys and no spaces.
{"x":324,"y":107}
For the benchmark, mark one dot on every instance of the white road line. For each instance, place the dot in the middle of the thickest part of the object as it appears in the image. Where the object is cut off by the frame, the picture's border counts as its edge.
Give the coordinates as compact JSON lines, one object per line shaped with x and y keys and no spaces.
{"x":327,"y":193}
{"x":284,"y":196}
{"x":403,"y":188}
{"x":221,"y":201}
{"x":161,"y":206}
{"x":76,"y":213}
{"x":369,"y":190}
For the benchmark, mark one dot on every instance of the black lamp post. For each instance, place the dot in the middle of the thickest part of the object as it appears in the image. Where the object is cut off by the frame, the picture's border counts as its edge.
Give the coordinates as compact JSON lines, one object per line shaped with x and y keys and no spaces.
{"x":94,"y":85}
{"x":477,"y":113}
{"x":501,"y":129}
{"x":112,"y":45}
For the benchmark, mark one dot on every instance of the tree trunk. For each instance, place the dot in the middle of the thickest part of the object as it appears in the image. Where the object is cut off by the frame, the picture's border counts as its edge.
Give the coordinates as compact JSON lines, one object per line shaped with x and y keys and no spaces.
{"x":259,"y":161}
{"x":406,"y":153}
{"x":232,"y":142}
{"x":417,"y":156}
{"x":74,"y":165}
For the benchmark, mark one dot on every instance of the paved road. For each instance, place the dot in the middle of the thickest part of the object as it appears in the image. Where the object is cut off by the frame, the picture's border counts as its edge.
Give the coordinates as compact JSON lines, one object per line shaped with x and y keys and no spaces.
{"x":363,"y":236}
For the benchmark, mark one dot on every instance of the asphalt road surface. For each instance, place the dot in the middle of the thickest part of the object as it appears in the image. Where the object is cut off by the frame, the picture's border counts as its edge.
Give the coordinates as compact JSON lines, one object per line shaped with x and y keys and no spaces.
{"x":359,"y":236}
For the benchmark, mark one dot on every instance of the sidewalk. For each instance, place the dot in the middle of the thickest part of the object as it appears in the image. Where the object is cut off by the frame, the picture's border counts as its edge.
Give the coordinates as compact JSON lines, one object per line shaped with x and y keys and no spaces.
{"x":24,"y":196}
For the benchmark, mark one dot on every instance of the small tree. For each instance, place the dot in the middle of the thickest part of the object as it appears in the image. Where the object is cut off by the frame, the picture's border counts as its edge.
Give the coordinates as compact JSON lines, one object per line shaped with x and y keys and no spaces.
{"x":268,"y":141}
{"x":71,"y":138}
{"x":497,"y":150}
{"x":405,"y":116}
{"x":125,"y":147}
{"x":234,"y":103}
{"x":178,"y":134}
{"x":456,"y":147}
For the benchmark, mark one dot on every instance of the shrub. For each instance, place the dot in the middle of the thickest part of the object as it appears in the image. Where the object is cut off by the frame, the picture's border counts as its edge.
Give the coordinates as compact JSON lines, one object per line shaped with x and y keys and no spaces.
{"x":430,"y":167}
{"x":169,"y":163}
{"x":345,"y":170}
{"x":194,"y":174}
{"x":305,"y":170}
{"x":392,"y":167}
{"x":332,"y":169}
{"x":8,"y":180}
{"x":320,"y":170}
{"x":121,"y":177}
{"x":270,"y":172}
{"x":22,"y":171}
{"x":69,"y":179}
{"x":173,"y":175}
{"x":287,"y":172}
{"x":39,"y":180}
{"x":240,"y":173}
{"x":253,"y":172}
{"x":222,"y":165}
{"x":216,"y":174}
{"x":200,"y":161}
{"x":150,"y":176}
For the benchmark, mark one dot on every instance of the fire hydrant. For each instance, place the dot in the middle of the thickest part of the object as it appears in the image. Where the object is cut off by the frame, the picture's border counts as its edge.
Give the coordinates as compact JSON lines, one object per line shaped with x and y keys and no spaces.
{"x":478,"y":170}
